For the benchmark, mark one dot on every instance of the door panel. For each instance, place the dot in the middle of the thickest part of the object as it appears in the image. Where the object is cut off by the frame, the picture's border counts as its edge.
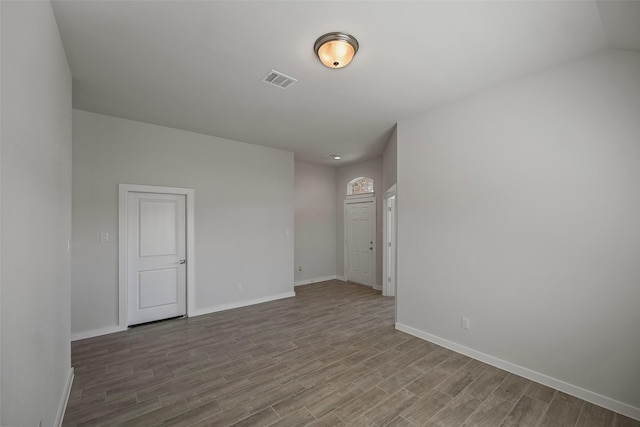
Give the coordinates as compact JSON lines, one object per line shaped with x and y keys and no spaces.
{"x":156,"y":246}
{"x":158,"y":221}
{"x":366,"y":241}
{"x":157,"y":288}
{"x":361,"y":241}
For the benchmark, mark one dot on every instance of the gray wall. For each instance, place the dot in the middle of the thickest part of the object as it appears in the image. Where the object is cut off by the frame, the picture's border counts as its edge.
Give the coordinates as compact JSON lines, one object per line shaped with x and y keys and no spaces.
{"x":520,"y":210}
{"x":36,"y":216}
{"x":315,"y":222}
{"x":371,"y":169}
{"x":243,"y":207}
{"x":390,"y":162}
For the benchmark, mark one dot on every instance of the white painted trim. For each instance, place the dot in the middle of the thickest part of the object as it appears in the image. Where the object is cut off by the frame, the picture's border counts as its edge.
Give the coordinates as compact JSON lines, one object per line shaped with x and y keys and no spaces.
{"x":360,"y":196}
{"x":389,"y":288}
{"x":391,"y":191}
{"x":341,"y":278}
{"x":557,"y":384}
{"x":97,"y":332}
{"x":66,"y":392}
{"x":230,"y":306}
{"x":314,"y":280}
{"x":375,"y":237}
{"x":195,"y":312}
{"x":189,"y":194}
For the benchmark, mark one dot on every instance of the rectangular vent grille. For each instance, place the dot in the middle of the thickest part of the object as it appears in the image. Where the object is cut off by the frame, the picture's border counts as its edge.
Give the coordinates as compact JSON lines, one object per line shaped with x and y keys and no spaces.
{"x":276,"y":78}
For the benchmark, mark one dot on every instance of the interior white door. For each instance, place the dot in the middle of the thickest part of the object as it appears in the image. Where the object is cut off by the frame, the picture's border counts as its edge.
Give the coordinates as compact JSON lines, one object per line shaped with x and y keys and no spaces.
{"x":156,"y":257}
{"x":361,"y":241}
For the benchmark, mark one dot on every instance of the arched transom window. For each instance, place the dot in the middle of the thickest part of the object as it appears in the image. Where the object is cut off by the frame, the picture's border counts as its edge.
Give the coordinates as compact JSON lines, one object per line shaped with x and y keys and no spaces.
{"x":360,"y":185}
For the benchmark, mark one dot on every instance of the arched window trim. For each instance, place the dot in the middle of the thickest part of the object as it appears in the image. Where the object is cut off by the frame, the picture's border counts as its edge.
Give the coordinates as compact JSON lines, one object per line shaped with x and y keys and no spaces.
{"x":350,"y":184}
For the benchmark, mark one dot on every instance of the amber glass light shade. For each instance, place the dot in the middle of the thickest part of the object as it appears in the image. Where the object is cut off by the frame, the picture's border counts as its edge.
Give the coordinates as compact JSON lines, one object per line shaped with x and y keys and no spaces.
{"x":336,"y":50}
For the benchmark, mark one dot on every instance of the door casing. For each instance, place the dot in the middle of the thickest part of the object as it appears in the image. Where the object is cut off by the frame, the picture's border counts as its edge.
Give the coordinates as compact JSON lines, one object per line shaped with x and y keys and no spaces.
{"x":124,"y":190}
{"x":390,"y":243}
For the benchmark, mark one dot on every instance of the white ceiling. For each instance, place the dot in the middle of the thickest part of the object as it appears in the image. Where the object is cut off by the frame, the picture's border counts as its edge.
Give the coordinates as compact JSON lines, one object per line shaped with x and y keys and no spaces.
{"x":198,"y":65}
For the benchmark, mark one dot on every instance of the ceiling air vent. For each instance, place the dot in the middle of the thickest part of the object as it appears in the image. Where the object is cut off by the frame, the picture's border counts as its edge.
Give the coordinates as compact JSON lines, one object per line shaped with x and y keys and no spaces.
{"x":276,"y":78}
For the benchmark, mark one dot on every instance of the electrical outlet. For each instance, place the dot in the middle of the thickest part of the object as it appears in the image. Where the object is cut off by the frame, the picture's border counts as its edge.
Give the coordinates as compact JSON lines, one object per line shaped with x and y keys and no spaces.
{"x":466,"y":323}
{"x":238,"y":287}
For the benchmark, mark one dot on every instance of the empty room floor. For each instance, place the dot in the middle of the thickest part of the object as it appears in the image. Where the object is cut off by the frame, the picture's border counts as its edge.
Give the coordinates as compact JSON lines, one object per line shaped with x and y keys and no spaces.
{"x":328,"y":357}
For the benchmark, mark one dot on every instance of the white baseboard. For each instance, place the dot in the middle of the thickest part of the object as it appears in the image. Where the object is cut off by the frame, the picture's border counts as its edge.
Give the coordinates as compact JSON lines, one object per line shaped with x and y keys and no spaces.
{"x":230,"y":306}
{"x":64,"y":399}
{"x":589,"y":396}
{"x":315,"y":280}
{"x":341,"y":278}
{"x":97,"y":332}
{"x":197,"y":312}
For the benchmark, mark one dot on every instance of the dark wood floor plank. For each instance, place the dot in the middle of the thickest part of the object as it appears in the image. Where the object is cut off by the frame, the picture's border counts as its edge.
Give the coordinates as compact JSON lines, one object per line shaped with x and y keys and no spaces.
{"x":623,"y":421}
{"x":512,"y":388}
{"x":490,"y":413}
{"x":562,"y":413}
{"x":328,"y":357}
{"x":457,"y":411}
{"x":391,"y":407}
{"x":300,"y":418}
{"x":426,"y":408}
{"x":487,"y":383}
{"x":526,"y":413}
{"x":360,"y":405}
{"x":331,"y":401}
{"x":427,"y":382}
{"x":595,"y":416}
{"x":263,"y":418}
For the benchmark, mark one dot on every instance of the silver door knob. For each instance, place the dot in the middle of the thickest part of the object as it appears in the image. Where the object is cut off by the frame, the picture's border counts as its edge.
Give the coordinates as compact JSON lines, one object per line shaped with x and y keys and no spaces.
{"x":182,"y":261}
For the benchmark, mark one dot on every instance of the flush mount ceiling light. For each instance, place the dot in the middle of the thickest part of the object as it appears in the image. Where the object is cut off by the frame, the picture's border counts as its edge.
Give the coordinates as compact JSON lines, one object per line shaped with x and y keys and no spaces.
{"x":336,"y":50}
{"x":335,"y":156}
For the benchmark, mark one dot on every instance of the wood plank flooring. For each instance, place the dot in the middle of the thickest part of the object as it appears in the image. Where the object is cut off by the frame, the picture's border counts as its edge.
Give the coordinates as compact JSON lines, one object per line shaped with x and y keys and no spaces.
{"x":328,"y":357}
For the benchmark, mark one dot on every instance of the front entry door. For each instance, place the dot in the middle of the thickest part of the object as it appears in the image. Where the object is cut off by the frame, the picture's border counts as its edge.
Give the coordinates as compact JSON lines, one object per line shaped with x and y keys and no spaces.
{"x":156,"y":257}
{"x":361,"y":226}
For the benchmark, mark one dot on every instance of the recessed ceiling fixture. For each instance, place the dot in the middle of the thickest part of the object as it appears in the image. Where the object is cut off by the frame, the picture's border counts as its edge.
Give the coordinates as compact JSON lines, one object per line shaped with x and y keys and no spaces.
{"x":336,"y":50}
{"x":335,"y":156}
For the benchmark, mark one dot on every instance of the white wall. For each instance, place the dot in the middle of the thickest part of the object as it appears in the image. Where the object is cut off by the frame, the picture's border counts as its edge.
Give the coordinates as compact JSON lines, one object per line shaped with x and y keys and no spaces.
{"x":243,"y":205}
{"x":390,"y":162}
{"x":371,"y":169}
{"x":315,"y":222}
{"x":1,"y":121}
{"x":36,"y":216}
{"x":520,"y":210}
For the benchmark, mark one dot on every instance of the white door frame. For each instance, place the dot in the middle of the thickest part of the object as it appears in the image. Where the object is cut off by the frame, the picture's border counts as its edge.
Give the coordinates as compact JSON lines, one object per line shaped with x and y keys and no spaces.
{"x":124,"y":190}
{"x":390,"y":240}
{"x":374,"y":265}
